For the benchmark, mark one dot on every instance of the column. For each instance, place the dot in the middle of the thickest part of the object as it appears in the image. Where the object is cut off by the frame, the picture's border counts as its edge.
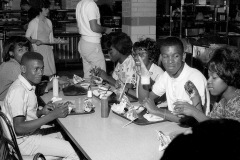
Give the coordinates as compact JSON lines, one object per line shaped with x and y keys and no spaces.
{"x":139,"y":18}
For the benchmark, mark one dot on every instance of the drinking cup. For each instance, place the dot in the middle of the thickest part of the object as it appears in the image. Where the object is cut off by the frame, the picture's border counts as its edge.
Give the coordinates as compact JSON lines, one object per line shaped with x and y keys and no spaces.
{"x":79,"y":105}
{"x":104,"y":107}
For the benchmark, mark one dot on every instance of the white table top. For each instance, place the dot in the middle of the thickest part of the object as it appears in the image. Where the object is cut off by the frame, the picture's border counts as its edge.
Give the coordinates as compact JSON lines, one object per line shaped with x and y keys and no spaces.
{"x":105,"y":139}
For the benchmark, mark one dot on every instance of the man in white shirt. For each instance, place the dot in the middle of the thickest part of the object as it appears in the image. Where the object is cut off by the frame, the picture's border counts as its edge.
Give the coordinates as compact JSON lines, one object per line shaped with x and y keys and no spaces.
{"x":172,"y":81}
{"x":89,"y":46}
{"x":20,"y":106}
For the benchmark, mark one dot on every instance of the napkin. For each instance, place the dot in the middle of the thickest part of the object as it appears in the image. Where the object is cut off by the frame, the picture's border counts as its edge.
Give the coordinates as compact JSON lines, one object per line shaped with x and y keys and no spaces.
{"x":164,"y":140}
{"x":152,"y":118}
{"x":55,"y":99}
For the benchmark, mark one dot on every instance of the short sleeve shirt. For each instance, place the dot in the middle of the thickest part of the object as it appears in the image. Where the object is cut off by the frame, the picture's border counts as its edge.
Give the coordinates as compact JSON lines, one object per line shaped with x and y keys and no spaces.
{"x":126,"y":72}
{"x":229,"y":110}
{"x":155,"y":71}
{"x":21,"y":100}
{"x":9,"y":72}
{"x":174,"y":87}
{"x":87,"y":10}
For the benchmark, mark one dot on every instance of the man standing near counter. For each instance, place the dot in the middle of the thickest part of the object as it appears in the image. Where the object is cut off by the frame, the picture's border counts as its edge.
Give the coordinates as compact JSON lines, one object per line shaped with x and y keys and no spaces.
{"x":89,"y":46}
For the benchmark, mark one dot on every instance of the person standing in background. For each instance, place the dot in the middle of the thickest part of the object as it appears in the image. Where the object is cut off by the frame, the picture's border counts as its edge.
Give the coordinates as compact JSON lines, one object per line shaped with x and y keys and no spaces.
{"x":39,"y":32}
{"x":89,"y":46}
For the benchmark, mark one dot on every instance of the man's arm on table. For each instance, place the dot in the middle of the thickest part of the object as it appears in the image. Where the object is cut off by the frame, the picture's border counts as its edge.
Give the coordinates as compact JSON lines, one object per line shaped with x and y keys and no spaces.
{"x":150,"y":105}
{"x":22,"y":127}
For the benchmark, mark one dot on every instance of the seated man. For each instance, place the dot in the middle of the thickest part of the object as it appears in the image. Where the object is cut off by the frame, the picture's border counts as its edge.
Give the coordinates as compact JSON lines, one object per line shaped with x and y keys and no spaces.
{"x":172,"y":81}
{"x":13,"y":50}
{"x":20,"y":105}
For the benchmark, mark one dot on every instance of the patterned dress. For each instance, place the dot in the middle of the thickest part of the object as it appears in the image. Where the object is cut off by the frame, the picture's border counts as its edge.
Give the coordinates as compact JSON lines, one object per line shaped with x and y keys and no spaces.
{"x":126,"y":72}
{"x":227,"y":109}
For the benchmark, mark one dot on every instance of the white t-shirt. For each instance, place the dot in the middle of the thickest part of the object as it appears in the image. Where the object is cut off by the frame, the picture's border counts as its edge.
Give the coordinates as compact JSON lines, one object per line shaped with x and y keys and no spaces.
{"x":87,"y":10}
{"x":174,"y":87}
{"x":156,"y":71}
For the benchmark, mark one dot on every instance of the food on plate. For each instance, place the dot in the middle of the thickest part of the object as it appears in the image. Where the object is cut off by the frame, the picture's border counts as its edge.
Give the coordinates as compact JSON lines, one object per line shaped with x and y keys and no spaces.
{"x":127,"y":109}
{"x":88,"y":105}
{"x":77,"y":79}
{"x":131,"y":114}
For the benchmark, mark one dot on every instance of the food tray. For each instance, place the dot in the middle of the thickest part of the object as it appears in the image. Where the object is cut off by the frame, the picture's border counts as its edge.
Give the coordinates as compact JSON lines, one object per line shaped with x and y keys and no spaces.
{"x":75,"y":113}
{"x":74,"y":90}
{"x":140,"y":120}
{"x":113,"y":98}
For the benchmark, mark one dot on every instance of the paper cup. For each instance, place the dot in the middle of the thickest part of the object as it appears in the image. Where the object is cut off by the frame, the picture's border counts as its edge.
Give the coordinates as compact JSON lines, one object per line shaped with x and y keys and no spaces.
{"x":79,"y":105}
{"x":104,"y":107}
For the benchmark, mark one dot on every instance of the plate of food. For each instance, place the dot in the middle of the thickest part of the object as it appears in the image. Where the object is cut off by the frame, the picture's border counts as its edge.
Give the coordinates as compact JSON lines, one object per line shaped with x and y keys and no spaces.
{"x":102,"y":91}
{"x":134,"y":113}
{"x":73,"y":110}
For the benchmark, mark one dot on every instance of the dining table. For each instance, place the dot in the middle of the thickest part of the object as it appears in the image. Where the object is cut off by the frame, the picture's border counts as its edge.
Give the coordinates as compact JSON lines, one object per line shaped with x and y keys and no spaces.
{"x":107,"y":139}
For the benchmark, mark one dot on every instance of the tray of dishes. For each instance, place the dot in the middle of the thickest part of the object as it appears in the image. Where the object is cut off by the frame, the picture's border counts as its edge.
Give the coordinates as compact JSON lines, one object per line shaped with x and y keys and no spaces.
{"x":137,"y":114}
{"x":74,"y":112}
{"x":73,"y":109}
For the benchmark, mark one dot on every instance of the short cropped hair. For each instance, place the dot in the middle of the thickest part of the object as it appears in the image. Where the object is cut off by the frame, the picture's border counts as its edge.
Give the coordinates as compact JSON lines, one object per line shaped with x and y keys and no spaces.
{"x":122,"y":43}
{"x":11,"y":43}
{"x":225,"y":62}
{"x":172,"y":41}
{"x":28,"y":56}
{"x":151,"y":46}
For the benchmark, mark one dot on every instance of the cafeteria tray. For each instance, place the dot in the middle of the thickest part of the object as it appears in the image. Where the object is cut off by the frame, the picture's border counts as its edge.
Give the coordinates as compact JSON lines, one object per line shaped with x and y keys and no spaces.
{"x":75,"y":113}
{"x":140,"y":120}
{"x":74,"y":90}
{"x":113,"y":98}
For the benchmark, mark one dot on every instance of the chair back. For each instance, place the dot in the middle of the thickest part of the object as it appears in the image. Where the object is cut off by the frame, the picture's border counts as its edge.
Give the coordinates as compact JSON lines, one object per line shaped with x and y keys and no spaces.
{"x":8,"y":146}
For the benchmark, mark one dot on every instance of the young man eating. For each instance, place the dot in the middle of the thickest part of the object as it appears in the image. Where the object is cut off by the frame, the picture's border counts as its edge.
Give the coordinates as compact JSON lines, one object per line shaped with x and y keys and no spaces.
{"x":20,"y":106}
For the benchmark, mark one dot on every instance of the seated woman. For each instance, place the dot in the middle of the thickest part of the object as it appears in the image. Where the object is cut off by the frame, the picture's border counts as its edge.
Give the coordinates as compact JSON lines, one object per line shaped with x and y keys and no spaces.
{"x":120,"y":52}
{"x":147,"y":50}
{"x":13,"y":50}
{"x":224,"y":74}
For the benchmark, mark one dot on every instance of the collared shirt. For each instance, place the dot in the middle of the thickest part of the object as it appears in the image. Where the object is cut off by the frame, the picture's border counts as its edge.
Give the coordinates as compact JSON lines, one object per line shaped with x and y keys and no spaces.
{"x":21,"y":100}
{"x":9,"y":72}
{"x":174,"y":87}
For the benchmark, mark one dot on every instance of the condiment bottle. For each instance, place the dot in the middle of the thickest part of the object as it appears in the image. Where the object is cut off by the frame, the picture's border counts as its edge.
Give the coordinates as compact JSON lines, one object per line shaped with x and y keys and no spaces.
{"x":55,"y":86}
{"x":89,"y":94}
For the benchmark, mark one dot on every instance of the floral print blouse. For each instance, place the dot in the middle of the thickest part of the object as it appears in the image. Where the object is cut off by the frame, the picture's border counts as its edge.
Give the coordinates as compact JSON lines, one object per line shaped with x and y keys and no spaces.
{"x":227,"y":109}
{"x":126,"y":71}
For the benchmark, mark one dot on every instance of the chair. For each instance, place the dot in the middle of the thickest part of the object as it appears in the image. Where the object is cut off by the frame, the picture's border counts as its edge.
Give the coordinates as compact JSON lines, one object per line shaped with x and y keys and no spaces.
{"x":8,"y":144}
